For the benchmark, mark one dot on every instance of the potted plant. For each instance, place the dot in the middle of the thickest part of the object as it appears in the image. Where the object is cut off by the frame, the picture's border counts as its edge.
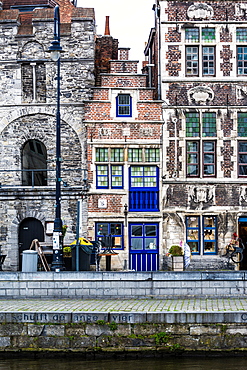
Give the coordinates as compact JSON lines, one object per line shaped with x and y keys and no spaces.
{"x":175,"y":258}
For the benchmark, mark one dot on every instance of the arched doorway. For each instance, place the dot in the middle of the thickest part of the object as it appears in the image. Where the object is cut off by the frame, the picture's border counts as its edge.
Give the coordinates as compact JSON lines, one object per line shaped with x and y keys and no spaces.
{"x":34,"y":157}
{"x":29,"y":229}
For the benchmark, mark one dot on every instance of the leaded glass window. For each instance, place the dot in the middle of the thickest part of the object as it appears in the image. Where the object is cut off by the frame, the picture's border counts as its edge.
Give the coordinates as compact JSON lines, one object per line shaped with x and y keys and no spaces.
{"x":192,"y":124}
{"x":241,"y":35}
{"x":208,"y":34}
{"x":192,"y":34}
{"x":117,"y":155}
{"x":242,"y":124}
{"x":209,"y":124}
{"x":101,"y":154}
{"x":135,"y":155}
{"x":152,"y":155}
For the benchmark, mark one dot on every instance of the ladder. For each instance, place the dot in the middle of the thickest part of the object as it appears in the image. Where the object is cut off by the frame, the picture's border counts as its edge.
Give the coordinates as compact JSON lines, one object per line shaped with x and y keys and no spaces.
{"x":36,"y":246}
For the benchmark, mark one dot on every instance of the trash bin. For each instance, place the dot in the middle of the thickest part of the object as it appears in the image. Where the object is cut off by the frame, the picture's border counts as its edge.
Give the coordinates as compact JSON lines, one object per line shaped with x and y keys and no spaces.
{"x":29,"y":261}
{"x":85,"y":252}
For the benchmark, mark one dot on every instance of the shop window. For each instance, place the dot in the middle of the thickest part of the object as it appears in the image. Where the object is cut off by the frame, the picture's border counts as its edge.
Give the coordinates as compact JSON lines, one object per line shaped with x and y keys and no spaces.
{"x":201,"y":234}
{"x":113,"y":229}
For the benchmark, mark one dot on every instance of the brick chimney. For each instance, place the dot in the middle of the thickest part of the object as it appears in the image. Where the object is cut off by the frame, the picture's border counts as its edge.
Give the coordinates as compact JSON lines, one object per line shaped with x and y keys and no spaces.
{"x":123,"y":53}
{"x":107,"y":26}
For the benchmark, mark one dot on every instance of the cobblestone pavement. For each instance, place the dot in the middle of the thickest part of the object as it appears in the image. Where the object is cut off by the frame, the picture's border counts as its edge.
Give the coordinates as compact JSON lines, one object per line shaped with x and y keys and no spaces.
{"x":124,"y":305}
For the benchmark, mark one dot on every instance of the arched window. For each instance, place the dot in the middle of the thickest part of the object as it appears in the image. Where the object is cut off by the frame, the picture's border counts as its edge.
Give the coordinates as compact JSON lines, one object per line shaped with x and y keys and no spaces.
{"x":34,"y":160}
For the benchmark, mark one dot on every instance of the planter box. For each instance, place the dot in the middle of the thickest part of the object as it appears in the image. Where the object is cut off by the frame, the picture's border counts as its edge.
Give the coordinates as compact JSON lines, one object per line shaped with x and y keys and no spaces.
{"x":175,"y":263}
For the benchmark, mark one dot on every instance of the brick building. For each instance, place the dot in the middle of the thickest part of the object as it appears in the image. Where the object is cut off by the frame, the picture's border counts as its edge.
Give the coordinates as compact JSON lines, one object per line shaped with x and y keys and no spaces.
{"x":200,"y":49}
{"x":27,"y":119}
{"x":124,"y":151}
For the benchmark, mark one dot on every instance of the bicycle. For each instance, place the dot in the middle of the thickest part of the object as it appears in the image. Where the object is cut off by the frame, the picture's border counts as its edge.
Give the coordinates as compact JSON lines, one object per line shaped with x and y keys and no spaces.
{"x":235,"y":252}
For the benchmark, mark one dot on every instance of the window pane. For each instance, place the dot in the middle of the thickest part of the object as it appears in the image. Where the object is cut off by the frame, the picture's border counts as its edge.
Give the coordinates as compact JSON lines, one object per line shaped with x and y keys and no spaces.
{"x":136,"y":230}
{"x":192,"y":124}
{"x":242,"y":158}
{"x":209,"y":124}
{"x":208,"y":67}
{"x":117,"y":155}
{"x":241,"y":34}
{"x":242,"y":60}
{"x":102,"y":176}
{"x":192,"y":233}
{"x":115,"y":229}
{"x":194,"y":247}
{"x":102,"y":229}
{"x":152,"y":155}
{"x":150,"y":230}
{"x":208,"y":34}
{"x":209,"y":158}
{"x":101,"y":154}
{"x":192,"y":61}
{"x":192,"y":158}
{"x":193,"y":222}
{"x":242,"y":124}
{"x":117,"y":176}
{"x":192,"y":34}
{"x":135,"y":155}
{"x":150,"y":243}
{"x":124,"y":105}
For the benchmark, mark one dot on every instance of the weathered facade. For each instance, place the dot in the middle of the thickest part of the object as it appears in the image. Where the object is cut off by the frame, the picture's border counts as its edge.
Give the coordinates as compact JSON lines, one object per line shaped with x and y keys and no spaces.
{"x":28,"y":120}
{"x":124,"y":128}
{"x":201,"y":72}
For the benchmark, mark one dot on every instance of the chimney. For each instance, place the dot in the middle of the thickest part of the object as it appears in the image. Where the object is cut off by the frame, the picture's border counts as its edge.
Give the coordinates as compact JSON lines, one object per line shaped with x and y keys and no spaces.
{"x":123,"y":53}
{"x":107,"y":26}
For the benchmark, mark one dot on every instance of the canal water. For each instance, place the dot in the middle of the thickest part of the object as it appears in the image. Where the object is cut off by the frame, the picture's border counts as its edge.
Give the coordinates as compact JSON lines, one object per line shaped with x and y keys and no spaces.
{"x":174,"y":363}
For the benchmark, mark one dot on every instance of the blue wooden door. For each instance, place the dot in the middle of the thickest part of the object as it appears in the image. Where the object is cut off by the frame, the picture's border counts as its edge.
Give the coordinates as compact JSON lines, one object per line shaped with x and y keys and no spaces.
{"x":143,"y":242}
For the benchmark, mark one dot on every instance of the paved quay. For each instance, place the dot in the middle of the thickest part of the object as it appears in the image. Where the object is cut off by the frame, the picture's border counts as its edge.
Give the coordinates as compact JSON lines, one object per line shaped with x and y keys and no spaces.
{"x":125,"y":305}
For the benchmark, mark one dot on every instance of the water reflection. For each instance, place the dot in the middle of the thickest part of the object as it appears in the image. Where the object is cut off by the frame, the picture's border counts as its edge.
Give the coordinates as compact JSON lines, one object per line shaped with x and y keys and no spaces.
{"x":175,"y":363}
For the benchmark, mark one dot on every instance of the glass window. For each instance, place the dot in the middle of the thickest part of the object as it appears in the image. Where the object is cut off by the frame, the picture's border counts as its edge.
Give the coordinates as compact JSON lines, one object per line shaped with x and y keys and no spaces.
{"x":208,"y":61}
{"x":110,"y":229}
{"x":117,"y":155}
{"x":152,"y":155}
{"x":101,"y":154}
{"x":209,"y":235}
{"x":102,"y":177}
{"x":209,"y":124}
{"x":192,"y":34}
{"x":192,"y":158}
{"x":241,"y":35}
{"x":135,"y":155}
{"x":116,"y":177}
{"x":192,"y":124}
{"x":34,"y":163}
{"x":208,"y":158}
{"x":143,"y":176}
{"x":192,"y":61}
{"x":242,"y":60}
{"x":193,"y":234}
{"x":144,"y":237}
{"x":242,"y":124}
{"x":242,"y":159}
{"x":208,"y":34}
{"x":124,"y":107}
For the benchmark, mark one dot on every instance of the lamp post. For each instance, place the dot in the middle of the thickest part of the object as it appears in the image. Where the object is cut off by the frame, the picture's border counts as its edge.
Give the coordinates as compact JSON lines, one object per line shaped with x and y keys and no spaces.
{"x":55,"y":50}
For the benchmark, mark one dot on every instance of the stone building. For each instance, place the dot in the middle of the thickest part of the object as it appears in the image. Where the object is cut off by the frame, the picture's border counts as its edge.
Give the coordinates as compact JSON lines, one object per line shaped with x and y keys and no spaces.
{"x":201,"y":73}
{"x":124,"y":129}
{"x":27,"y":119}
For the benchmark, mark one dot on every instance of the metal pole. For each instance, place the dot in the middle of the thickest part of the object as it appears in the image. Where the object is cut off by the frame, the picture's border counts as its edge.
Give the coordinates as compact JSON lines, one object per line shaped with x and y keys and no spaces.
{"x":57,"y":262}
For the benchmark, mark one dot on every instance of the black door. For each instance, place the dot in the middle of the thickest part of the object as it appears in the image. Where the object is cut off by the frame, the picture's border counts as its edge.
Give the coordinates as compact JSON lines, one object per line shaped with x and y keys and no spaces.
{"x":243,"y":236}
{"x":29,"y":229}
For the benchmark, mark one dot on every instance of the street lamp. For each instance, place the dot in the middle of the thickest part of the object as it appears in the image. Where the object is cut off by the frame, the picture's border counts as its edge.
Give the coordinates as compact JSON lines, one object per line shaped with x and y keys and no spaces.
{"x":55,"y":49}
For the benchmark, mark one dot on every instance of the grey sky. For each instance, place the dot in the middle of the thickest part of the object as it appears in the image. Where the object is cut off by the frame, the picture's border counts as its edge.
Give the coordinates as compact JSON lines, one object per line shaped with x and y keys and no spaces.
{"x":130,"y":22}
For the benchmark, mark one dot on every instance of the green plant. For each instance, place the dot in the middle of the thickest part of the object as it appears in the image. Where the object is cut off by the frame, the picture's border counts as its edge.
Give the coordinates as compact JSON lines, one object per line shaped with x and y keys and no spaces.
{"x":113,"y":326}
{"x":176,"y":250}
{"x":100,"y":322}
{"x":161,"y":338}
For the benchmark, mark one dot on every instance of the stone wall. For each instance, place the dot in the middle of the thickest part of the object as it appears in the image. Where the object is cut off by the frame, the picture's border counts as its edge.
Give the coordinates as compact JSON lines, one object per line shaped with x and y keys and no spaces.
{"x":122,"y":284}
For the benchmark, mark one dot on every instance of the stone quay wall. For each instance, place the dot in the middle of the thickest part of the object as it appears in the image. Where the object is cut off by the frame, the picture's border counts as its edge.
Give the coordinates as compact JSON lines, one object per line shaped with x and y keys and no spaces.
{"x":90,"y":336}
{"x":104,"y":284}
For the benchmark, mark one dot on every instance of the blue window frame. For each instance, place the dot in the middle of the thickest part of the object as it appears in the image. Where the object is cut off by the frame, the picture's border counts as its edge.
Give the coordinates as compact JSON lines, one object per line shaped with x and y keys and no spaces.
{"x":109,"y":176}
{"x":144,"y":188}
{"x":205,"y":240}
{"x":115,"y":229}
{"x":124,"y":105}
